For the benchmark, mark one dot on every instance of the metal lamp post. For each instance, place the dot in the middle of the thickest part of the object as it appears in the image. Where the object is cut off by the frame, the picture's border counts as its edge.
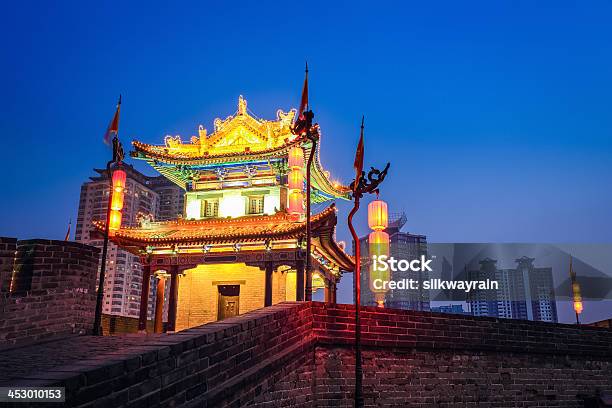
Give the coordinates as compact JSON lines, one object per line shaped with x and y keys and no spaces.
{"x":312,"y":137}
{"x":360,"y":187}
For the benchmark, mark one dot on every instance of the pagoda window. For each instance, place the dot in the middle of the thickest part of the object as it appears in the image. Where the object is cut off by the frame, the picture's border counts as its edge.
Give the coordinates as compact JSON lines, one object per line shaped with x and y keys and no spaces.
{"x":256,"y":205}
{"x":210,"y":208}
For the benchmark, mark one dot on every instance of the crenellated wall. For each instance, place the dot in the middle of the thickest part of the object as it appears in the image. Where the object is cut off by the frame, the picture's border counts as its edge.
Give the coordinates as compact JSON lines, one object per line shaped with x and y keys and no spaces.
{"x":8,"y":247}
{"x":301,"y":354}
{"x":52,"y":293}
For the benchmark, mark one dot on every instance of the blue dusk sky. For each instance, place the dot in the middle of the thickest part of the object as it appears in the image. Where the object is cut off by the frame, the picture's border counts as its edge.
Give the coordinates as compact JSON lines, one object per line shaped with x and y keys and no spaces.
{"x":495,"y":116}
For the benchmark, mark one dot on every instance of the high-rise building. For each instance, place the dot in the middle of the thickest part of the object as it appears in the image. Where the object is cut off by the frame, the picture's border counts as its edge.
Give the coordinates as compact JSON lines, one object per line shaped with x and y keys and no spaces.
{"x":525,"y":292}
{"x":154,"y":196}
{"x":402,"y":245}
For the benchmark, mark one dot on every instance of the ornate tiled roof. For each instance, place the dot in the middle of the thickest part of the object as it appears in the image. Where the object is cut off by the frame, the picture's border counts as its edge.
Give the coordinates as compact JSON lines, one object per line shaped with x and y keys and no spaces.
{"x":239,"y":138}
{"x":280,"y":226}
{"x":219,"y":230}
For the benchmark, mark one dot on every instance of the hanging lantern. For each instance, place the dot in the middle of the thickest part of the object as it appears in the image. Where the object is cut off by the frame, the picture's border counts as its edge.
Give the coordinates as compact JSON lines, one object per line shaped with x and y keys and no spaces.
{"x":296,"y":203}
{"x":117,"y":200}
{"x":119,"y":178}
{"x":378,"y":215}
{"x":115,"y":220}
{"x":117,"y":195}
{"x":296,"y":180}
{"x":296,"y":157}
{"x":378,"y":242}
{"x":578,"y":307}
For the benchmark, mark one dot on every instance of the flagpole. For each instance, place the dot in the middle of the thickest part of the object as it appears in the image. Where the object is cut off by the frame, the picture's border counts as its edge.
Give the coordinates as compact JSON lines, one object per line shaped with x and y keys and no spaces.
{"x":117,"y":157}
{"x":359,"y":187}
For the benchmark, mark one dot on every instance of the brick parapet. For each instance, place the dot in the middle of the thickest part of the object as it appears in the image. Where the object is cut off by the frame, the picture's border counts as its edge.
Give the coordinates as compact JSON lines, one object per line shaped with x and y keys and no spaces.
{"x":8,"y":247}
{"x":52,"y":293}
{"x":300,"y":354}
{"x":394,"y":329}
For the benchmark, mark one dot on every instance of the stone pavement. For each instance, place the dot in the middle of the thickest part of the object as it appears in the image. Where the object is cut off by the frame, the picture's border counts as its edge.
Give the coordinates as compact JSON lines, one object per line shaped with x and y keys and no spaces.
{"x":29,"y":361}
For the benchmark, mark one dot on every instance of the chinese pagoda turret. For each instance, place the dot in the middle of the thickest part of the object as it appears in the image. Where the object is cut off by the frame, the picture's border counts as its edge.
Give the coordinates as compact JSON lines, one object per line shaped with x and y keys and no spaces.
{"x":240,"y":244}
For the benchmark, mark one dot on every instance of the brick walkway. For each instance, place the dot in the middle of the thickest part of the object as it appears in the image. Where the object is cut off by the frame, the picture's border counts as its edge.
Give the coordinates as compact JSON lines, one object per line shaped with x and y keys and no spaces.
{"x":26,"y":362}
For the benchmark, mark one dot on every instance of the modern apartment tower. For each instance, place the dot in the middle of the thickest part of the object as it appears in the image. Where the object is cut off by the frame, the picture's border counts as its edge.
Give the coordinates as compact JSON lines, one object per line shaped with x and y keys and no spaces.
{"x":525,"y":292}
{"x":145,"y":195}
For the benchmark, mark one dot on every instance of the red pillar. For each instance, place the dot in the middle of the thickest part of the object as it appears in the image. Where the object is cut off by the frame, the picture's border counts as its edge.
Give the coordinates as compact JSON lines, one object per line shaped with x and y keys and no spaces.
{"x":144,"y":297}
{"x":333,"y":293}
{"x":159,"y":304}
{"x":172,"y":302}
{"x":268,"y":284}
{"x":299,"y":281}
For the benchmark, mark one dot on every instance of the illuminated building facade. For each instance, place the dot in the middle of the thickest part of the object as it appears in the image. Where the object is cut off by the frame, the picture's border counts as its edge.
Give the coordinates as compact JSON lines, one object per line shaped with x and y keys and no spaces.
{"x":143,"y":195}
{"x":240,"y":242}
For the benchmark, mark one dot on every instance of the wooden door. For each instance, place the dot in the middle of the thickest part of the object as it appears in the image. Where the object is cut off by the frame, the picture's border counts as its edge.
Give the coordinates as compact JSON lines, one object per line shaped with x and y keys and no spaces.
{"x":229,"y":301}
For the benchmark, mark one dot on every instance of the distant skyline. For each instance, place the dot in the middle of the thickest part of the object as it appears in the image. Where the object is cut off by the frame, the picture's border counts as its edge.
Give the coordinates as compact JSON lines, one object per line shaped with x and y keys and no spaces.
{"x":497,"y":113}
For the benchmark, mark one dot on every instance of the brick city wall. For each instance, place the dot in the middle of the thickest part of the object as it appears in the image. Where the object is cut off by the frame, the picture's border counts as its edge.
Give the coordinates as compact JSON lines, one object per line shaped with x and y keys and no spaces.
{"x":300,"y":354}
{"x":420,"y":359}
{"x":8,"y":246}
{"x":52,"y":291}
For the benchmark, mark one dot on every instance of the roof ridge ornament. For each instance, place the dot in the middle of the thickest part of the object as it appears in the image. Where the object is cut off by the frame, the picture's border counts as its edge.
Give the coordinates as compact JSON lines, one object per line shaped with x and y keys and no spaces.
{"x":242,"y":105}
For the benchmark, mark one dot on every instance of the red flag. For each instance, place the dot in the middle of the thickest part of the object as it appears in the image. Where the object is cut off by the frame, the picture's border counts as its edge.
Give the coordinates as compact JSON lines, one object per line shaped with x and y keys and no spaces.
{"x":304,"y":100}
{"x":113,"y":126}
{"x":68,"y":232}
{"x":359,"y":156}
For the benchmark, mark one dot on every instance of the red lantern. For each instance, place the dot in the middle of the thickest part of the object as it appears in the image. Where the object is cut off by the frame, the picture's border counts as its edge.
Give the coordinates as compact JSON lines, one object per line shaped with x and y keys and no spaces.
{"x":119,"y":178}
{"x":578,"y":307}
{"x":378,"y":215}
{"x":117,"y":200}
{"x":296,"y":157}
{"x":296,"y":203}
{"x":296,"y":179}
{"x":116,"y":203}
{"x":115,"y":220}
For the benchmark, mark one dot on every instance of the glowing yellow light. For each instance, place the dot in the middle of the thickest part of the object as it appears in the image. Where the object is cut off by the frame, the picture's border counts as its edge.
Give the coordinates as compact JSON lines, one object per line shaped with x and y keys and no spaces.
{"x":118,"y":191}
{"x":296,"y":203}
{"x":578,"y":307}
{"x":378,"y":216}
{"x":117,"y":200}
{"x":296,"y":179}
{"x":378,"y":245}
{"x":115,"y":220}
{"x":296,"y":157}
{"x":119,"y":178}
{"x":193,"y":209}
{"x":232,"y":206}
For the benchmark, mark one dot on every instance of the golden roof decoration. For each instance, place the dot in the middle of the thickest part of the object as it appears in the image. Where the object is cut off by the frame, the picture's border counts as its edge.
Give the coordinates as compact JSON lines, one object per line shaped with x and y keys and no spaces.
{"x":237,"y":133}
